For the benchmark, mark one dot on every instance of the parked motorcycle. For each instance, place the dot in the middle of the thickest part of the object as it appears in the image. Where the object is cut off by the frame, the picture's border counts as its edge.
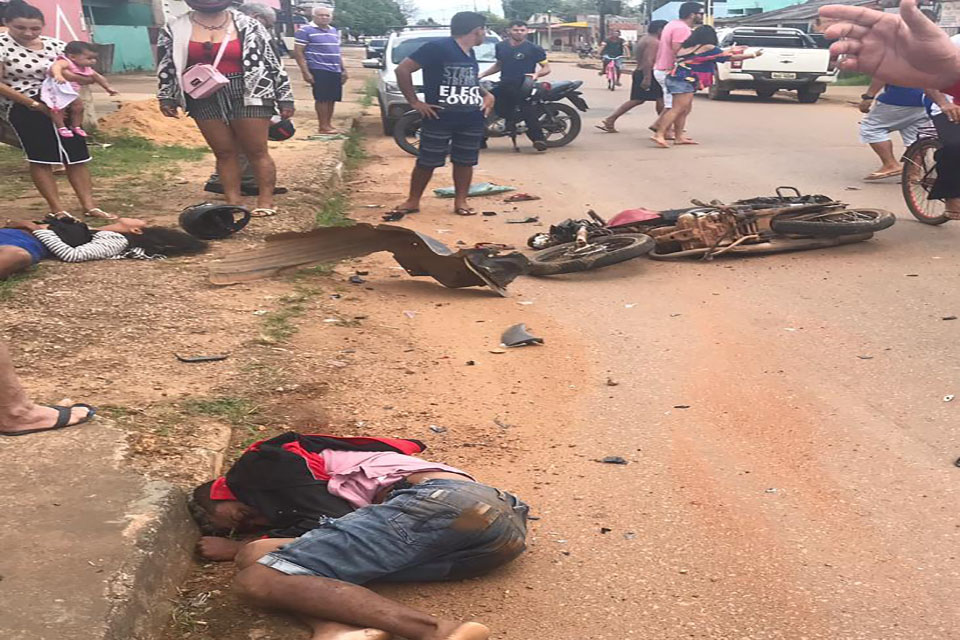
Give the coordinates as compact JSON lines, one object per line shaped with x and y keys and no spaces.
{"x":561,"y":123}
{"x":757,"y":225}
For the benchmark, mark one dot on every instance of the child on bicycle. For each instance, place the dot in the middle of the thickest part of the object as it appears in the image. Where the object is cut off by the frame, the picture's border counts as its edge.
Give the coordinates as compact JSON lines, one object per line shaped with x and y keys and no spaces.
{"x":60,"y":91}
{"x":614,"y":48}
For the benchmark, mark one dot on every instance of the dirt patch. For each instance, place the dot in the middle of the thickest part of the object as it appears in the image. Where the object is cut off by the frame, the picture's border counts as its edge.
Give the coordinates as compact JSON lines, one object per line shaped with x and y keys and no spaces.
{"x":143,"y":119}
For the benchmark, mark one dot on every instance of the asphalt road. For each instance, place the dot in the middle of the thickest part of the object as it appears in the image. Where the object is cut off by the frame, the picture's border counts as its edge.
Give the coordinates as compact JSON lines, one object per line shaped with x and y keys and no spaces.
{"x":791,"y":451}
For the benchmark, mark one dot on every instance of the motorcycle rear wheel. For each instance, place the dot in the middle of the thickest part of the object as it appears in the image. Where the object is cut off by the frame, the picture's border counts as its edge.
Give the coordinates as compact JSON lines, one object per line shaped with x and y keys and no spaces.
{"x":561,"y":124}
{"x":830,"y":224}
{"x":406,"y":132}
{"x":599,"y":252}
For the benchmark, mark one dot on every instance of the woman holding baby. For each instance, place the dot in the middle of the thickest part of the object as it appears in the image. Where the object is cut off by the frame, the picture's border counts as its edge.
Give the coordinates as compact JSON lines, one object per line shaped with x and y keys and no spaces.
{"x":25,"y":61}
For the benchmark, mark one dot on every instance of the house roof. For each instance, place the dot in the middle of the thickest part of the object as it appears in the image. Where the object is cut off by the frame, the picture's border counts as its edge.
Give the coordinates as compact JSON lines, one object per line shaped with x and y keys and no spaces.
{"x":795,"y":13}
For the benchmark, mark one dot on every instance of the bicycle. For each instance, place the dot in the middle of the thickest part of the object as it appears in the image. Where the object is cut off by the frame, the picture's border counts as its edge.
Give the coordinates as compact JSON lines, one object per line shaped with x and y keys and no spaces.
{"x":612,"y":72}
{"x":918,"y":175}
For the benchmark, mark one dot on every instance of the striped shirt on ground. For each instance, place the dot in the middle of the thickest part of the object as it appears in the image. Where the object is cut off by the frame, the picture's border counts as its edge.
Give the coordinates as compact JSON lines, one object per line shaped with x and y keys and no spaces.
{"x":322,"y":47}
{"x":105,"y":244}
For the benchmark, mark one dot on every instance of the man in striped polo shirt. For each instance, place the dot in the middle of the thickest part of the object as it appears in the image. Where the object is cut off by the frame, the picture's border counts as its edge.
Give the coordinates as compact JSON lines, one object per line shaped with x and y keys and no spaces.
{"x":317,"y":52}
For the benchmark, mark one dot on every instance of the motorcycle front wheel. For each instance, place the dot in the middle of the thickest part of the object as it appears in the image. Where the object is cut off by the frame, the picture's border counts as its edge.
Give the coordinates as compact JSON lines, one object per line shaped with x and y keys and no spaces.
{"x":598,"y":252}
{"x":561,"y":124}
{"x":406,"y":133}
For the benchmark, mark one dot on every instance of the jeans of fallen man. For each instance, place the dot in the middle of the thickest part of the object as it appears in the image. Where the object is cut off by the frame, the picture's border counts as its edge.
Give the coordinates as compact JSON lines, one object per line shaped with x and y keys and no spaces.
{"x":436,"y":530}
{"x":509,"y":100}
{"x":247,"y":177}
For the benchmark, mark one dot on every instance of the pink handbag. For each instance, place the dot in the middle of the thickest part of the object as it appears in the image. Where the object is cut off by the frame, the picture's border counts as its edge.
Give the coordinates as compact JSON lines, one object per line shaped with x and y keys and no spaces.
{"x":203,"y":80}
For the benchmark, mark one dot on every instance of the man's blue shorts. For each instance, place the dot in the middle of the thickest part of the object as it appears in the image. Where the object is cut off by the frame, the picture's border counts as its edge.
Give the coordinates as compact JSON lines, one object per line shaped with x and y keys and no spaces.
{"x":436,"y":530}
{"x":459,"y":137}
{"x":24,"y":240}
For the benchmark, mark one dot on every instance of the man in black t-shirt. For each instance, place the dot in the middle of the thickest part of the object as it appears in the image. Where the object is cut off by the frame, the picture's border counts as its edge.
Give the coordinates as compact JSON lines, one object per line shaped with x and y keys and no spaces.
{"x":453,"y":109}
{"x":518,"y":58}
{"x":614,"y":48}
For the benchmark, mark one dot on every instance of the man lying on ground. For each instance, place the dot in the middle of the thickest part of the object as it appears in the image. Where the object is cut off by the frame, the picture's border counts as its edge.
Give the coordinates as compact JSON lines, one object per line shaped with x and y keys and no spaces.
{"x":414,"y":521}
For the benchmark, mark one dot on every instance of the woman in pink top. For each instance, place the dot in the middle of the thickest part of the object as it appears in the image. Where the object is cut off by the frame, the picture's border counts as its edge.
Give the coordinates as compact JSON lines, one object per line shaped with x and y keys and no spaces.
{"x":75,"y":66}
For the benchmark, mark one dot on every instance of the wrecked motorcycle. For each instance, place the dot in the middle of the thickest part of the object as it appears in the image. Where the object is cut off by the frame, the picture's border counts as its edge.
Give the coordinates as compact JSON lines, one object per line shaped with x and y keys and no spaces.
{"x":560,"y":122}
{"x":785,"y":222}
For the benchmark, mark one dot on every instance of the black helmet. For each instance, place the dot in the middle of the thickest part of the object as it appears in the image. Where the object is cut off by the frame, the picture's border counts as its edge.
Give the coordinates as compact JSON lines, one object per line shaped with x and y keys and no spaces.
{"x":281,"y":130}
{"x":210,"y":221}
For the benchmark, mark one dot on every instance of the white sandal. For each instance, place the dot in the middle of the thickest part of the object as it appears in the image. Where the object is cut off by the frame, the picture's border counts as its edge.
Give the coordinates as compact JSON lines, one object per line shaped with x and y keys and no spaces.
{"x":97,"y":212}
{"x":263,"y":212}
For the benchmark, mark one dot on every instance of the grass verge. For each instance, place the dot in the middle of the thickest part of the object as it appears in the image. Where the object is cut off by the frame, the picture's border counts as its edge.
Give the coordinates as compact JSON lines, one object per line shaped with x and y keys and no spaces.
{"x":333,"y":211}
{"x":369,"y":92}
{"x":9,"y":285}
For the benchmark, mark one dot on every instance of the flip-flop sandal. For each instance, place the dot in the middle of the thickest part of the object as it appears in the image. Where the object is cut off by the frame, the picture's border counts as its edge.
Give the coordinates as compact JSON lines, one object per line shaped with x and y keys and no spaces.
{"x":464,"y":211}
{"x":63,"y":419}
{"x":951,"y":215}
{"x":397,"y":214}
{"x":606,"y":128}
{"x":263,"y":212}
{"x":521,"y":197}
{"x":97,"y":212}
{"x":880,"y":175}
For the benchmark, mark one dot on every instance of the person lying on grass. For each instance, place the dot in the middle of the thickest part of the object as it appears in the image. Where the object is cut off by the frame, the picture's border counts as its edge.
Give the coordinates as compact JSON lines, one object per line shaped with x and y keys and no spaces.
{"x":408,"y":520}
{"x":23,"y":244}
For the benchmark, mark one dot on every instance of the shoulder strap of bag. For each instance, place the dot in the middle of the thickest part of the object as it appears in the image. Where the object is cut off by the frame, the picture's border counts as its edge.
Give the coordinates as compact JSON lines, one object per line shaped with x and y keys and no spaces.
{"x":223,"y":45}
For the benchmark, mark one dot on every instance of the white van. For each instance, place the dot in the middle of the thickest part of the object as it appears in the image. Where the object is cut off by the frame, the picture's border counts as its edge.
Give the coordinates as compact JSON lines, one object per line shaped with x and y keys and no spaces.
{"x":791,"y":60}
{"x":399,"y":46}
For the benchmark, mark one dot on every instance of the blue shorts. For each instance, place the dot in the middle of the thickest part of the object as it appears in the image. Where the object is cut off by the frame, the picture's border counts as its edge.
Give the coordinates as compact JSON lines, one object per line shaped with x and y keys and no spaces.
{"x":24,"y":240}
{"x":460,"y":139}
{"x":436,"y":530}
{"x":678,"y":85}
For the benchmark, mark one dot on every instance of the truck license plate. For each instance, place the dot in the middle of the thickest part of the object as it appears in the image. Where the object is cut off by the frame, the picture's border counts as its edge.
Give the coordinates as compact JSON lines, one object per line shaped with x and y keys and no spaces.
{"x":782,"y":75}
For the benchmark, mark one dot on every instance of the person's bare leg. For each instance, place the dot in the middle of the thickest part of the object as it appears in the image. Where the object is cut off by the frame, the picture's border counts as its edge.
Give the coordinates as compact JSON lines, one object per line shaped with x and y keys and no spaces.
{"x":684,"y":104}
{"x":79,"y":177}
{"x":17,"y":412}
{"x":663,"y":124}
{"x":76,"y":114}
{"x":220,"y":138}
{"x":13,"y":260}
{"x":58,"y":117}
{"x":350,"y":604}
{"x":888,"y":161}
{"x":622,"y":109}
{"x":419,"y":180}
{"x":46,"y":184}
{"x":462,"y":175}
{"x":251,"y":135}
{"x":325,"y":117}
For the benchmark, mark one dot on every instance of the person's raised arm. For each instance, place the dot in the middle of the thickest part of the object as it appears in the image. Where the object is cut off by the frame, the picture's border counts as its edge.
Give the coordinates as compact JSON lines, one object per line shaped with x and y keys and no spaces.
{"x":906,"y":49}
{"x":405,"y":71}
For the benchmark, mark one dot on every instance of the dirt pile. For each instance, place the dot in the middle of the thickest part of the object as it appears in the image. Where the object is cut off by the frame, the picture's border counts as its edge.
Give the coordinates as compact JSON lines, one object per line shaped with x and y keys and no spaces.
{"x":143,"y":119}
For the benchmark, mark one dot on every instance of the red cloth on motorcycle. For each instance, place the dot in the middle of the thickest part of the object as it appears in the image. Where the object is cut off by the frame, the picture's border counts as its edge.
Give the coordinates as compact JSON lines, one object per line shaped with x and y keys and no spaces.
{"x":285,"y":479}
{"x":633,"y":216}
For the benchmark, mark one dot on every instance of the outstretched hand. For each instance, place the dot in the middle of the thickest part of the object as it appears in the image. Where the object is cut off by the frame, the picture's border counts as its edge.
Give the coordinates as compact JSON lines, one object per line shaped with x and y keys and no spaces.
{"x":906,"y":49}
{"x":218,"y":549}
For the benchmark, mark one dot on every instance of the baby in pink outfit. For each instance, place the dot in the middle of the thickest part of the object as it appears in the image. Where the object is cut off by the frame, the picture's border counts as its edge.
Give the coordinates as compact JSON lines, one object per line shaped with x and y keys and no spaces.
{"x":73,"y":68}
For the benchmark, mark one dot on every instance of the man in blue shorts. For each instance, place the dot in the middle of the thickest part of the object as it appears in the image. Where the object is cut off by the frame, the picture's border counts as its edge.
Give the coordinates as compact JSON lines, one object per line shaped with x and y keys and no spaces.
{"x":317,"y":52}
{"x":453,"y":109}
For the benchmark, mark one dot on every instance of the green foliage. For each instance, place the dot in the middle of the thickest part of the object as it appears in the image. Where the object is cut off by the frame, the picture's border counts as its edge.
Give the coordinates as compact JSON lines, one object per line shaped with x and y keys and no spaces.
{"x":371,"y":17}
{"x":495,"y":23}
{"x":566,"y":10}
{"x":9,"y":286}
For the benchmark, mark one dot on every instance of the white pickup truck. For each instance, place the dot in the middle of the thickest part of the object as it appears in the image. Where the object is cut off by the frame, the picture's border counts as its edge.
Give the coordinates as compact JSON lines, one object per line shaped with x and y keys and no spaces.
{"x":791,"y":60}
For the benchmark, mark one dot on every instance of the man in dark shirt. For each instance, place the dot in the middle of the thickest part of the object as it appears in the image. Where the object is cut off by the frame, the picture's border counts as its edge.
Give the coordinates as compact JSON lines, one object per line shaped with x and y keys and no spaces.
{"x":453,"y":109}
{"x":518,"y":58}
{"x":614,"y":48}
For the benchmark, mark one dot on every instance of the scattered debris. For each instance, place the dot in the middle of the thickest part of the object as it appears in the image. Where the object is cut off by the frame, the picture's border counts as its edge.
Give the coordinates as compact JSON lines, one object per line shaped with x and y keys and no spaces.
{"x":948,"y":398}
{"x":674,"y":315}
{"x":956,"y":462}
{"x":260,"y":312}
{"x":525,"y":302}
{"x":605,"y":530}
{"x":681,"y":406}
{"x":865,"y":357}
{"x":356,"y":280}
{"x":852,"y":188}
{"x":521,"y":197}
{"x":471,"y":363}
{"x":613,"y":460}
{"x":629,"y":535}
{"x":913,"y":275}
{"x":371,"y":206}
{"x":437,"y":429}
{"x":503,"y":425}
{"x":480,"y":189}
{"x":770,"y":490}
{"x":630,"y":306}
{"x":494,"y":246}
{"x":789,"y":329}
{"x":215,"y":358}
{"x":498,"y":350}
{"x":612,"y":383}
{"x":949,"y":318}
{"x":518,"y":336}
{"x":488,"y":213}
{"x":417,"y":254}
{"x":523,"y":220}
{"x":410,"y":314}
{"x":335,"y":296}
{"x":326,"y":137}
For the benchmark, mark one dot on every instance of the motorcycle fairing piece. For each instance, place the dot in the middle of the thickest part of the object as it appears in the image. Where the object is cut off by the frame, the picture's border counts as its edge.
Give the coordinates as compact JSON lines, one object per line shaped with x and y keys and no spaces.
{"x":418,"y":254}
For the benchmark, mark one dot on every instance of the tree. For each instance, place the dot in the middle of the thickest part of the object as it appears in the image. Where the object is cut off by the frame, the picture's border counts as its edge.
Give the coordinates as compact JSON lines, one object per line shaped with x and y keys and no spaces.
{"x":429,"y":22}
{"x":495,"y":23}
{"x":371,"y":17}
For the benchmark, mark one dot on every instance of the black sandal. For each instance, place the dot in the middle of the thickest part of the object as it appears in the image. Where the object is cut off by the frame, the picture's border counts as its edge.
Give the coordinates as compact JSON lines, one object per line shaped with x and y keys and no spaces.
{"x":63,"y":419}
{"x":397,"y":213}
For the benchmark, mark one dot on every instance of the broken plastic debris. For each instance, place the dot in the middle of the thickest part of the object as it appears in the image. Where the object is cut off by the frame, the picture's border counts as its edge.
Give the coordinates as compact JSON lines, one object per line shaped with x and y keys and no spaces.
{"x":216,"y":358}
{"x":949,"y":318}
{"x":521,"y":197}
{"x":479,"y":189}
{"x":371,"y":206}
{"x":629,"y":535}
{"x":410,"y":314}
{"x":605,"y":529}
{"x":630,"y":306}
{"x":948,"y":398}
{"x":356,"y":280}
{"x":525,"y":302}
{"x":865,"y":357}
{"x":612,"y":383}
{"x":770,"y":490}
{"x":489,"y":213}
{"x":518,"y":336}
{"x":260,"y":312}
{"x":681,"y":406}
{"x":437,"y":429}
{"x":523,"y":220}
{"x":498,"y":350}
{"x":613,"y":460}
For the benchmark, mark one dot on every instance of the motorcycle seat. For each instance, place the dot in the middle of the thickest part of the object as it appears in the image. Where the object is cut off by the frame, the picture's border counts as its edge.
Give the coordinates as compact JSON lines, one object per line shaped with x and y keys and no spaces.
{"x":561,"y":86}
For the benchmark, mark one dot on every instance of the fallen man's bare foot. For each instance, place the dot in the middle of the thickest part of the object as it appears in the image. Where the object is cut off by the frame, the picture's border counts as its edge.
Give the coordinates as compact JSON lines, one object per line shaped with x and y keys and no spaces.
{"x":337,"y":631}
{"x":42,"y":418}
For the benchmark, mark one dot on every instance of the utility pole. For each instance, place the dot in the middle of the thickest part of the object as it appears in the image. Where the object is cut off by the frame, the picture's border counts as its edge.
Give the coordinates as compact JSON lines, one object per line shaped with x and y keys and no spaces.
{"x":602,"y":5}
{"x":549,"y":30}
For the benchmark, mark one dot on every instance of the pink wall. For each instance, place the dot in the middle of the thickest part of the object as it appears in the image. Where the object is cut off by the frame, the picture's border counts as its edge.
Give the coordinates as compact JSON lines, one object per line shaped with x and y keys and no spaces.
{"x":64,"y":19}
